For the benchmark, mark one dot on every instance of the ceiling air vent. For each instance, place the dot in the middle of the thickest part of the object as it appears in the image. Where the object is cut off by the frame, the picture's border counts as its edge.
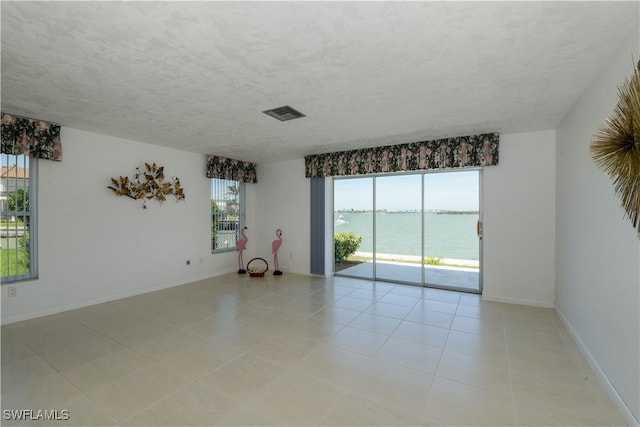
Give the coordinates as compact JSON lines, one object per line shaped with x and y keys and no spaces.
{"x":284,"y":113}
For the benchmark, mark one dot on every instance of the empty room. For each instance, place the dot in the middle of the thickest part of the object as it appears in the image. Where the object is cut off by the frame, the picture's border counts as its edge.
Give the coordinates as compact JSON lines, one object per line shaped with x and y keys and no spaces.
{"x":320,"y":213}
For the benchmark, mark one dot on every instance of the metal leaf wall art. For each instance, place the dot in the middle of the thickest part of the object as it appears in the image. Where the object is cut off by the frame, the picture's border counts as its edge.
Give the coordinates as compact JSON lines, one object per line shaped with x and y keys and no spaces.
{"x":148,"y":184}
{"x":615,"y":147}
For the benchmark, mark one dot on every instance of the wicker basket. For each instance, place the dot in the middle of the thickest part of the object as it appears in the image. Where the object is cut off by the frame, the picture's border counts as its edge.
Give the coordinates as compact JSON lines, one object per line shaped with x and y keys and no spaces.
{"x":257,"y":267}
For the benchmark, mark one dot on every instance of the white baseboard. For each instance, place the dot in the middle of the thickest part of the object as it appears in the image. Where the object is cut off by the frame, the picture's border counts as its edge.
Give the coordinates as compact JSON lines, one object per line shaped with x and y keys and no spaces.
{"x":519,"y":301}
{"x":93,"y":301}
{"x":611,"y":391}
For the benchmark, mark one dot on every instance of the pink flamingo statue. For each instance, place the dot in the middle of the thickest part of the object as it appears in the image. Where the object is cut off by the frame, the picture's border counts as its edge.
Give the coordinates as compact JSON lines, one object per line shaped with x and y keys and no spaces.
{"x":240,"y":245}
{"x":275,"y":245}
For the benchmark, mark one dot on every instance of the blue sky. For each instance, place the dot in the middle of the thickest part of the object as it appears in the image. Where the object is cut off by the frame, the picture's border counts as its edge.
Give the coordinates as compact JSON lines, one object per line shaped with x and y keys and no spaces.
{"x":8,"y":159}
{"x":444,"y":191}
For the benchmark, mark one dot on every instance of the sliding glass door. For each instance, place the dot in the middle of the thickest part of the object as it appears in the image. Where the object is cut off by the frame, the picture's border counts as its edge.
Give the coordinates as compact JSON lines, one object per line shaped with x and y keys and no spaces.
{"x":413,"y":228}
{"x":398,"y":223}
{"x":451,"y":230}
{"x":353,"y":226}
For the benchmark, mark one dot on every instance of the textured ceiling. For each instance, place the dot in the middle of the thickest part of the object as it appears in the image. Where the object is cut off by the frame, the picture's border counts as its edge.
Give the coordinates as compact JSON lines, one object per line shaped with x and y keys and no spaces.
{"x":197,"y":75}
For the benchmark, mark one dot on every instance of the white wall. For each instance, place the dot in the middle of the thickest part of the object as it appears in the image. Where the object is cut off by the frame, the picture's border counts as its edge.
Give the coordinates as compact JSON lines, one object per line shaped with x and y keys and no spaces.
{"x":598,"y":253}
{"x":95,"y":246}
{"x":281,"y":199}
{"x":519,"y":221}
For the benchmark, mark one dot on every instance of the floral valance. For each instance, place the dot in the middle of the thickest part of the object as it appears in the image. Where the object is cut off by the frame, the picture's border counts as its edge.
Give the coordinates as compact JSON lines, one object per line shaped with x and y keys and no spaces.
{"x":34,"y":138}
{"x":237,"y":170}
{"x":464,"y":151}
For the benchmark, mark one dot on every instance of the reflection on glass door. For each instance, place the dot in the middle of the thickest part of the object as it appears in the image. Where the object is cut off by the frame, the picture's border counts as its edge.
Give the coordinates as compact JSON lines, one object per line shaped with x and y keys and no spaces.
{"x":353,"y":227}
{"x":451,"y":225}
{"x":398,"y":223}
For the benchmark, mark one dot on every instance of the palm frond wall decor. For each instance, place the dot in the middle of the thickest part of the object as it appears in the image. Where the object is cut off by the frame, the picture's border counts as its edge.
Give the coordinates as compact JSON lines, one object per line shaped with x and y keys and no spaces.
{"x":615,"y":147}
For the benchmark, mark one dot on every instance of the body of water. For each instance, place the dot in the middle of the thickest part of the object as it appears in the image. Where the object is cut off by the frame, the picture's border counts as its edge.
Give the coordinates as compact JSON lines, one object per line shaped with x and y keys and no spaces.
{"x":446,"y":235}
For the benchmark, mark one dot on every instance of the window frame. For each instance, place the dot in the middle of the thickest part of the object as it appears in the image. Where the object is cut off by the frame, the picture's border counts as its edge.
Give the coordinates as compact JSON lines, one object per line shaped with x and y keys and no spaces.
{"x":241,"y":213}
{"x":32,"y":213}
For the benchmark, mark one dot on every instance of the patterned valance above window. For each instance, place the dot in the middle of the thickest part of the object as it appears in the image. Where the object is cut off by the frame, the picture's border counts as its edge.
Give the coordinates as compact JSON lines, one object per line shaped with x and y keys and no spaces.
{"x":460,"y":152}
{"x":237,"y":170}
{"x":34,"y":138}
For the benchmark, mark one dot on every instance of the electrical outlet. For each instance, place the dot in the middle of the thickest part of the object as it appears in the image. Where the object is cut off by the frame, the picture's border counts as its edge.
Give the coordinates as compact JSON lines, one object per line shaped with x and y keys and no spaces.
{"x":200,"y":259}
{"x":12,"y":291}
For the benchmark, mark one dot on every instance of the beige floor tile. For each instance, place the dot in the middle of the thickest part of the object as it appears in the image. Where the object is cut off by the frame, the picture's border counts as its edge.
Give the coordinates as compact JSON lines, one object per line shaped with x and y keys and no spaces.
{"x":12,"y":349}
{"x":481,"y":311}
{"x":389,"y":310}
{"x":135,"y":392}
{"x":184,"y":316}
{"x":374,"y":323}
{"x":425,"y":334}
{"x":555,"y":366}
{"x":534,"y":412}
{"x":43,"y":327}
{"x":430,"y":317}
{"x":108,"y":368}
{"x":245,"y":416}
{"x":394,"y":386}
{"x":285,"y":349}
{"x":317,"y":329}
{"x":341,"y":316}
{"x":550,"y":391}
{"x":62,"y":355}
{"x":83,"y":412}
{"x":184,"y":408}
{"x":304,"y":307}
{"x":295,"y":399}
{"x":437,"y":306}
{"x":473,"y":300}
{"x":358,"y":341}
{"x":352,"y":303}
{"x":370,"y":293}
{"x":441,"y":295}
{"x":410,"y":354}
{"x":297,"y":350}
{"x":357,"y":410}
{"x":480,"y":345}
{"x":243,"y":377}
{"x":476,"y":370}
{"x":218,"y":325}
{"x":403,"y":300}
{"x":272,"y":323}
{"x":200,"y":360}
{"x":274,"y":301}
{"x":483,"y":326}
{"x":333,"y":364}
{"x":410,"y":291}
{"x":24,"y":370}
{"x":42,"y":393}
{"x":165,"y":344}
{"x":455,"y":404}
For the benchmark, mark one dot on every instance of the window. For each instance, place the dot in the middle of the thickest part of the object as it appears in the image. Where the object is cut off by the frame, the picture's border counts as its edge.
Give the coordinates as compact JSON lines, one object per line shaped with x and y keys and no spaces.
{"x":18,"y":178}
{"x":227,"y":214}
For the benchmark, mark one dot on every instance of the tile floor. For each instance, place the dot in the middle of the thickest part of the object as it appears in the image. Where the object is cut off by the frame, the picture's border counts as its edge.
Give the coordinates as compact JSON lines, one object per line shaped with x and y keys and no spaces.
{"x":296,"y":350}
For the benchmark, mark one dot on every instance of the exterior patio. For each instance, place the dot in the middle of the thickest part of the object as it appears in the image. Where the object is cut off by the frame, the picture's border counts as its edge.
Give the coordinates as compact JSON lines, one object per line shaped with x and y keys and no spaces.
{"x":458,"y":278}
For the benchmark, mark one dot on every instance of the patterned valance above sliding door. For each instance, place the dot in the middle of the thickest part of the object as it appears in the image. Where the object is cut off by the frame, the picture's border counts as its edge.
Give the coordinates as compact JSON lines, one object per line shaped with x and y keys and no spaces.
{"x":33,"y":138}
{"x":460,"y":152}
{"x":225,"y":168}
